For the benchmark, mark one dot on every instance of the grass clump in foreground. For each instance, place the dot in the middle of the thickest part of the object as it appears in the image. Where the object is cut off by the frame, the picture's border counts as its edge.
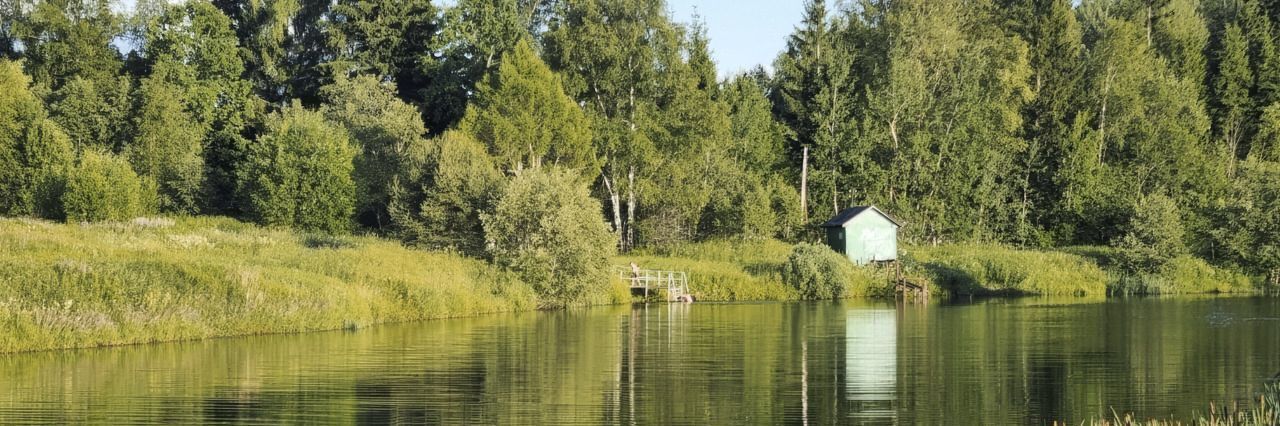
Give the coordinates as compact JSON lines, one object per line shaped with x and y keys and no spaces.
{"x":68,"y":286}
{"x":1264,"y":411}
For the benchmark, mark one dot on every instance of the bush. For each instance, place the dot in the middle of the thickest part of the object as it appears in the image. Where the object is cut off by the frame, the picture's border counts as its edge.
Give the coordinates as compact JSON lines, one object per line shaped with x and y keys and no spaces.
{"x":438,"y":205}
{"x":547,"y":228}
{"x":384,"y":129}
{"x":1155,"y":234}
{"x":298,"y":174}
{"x":104,"y":187}
{"x":817,"y":272}
{"x":33,"y":149}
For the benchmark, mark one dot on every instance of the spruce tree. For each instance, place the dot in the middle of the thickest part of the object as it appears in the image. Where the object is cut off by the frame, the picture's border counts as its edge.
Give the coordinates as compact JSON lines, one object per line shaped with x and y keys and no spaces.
{"x":523,"y":116}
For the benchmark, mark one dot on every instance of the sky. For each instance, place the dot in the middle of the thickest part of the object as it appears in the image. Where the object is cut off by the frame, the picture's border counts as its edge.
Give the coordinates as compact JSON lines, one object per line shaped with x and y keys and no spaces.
{"x":744,"y":33}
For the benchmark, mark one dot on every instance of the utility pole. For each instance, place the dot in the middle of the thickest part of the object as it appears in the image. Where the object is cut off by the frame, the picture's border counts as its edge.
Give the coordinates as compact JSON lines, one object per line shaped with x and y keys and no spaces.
{"x":804,"y":186}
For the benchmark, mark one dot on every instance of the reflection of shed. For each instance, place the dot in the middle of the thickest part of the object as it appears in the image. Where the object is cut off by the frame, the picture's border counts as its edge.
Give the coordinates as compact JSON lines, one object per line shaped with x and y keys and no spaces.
{"x":871,"y":363}
{"x":864,"y":234}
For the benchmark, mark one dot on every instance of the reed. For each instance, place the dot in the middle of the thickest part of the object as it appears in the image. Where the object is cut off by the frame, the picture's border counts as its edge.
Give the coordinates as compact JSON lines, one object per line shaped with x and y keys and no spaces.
{"x":1264,"y":411}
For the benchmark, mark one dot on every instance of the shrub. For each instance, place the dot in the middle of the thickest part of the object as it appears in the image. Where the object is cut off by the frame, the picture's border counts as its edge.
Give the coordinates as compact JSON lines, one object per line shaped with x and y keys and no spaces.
{"x":33,"y":149}
{"x":1155,"y":234}
{"x":817,"y":272}
{"x":298,"y":174}
{"x":438,"y":205}
{"x":547,"y":228}
{"x":104,"y":187}
{"x":384,"y":131}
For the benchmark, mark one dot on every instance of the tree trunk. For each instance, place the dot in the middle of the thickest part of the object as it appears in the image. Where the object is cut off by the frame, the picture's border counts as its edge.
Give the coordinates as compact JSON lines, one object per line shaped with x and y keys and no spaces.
{"x":835,"y":191}
{"x":615,"y":202}
{"x":631,"y":208}
{"x":1102,"y":120}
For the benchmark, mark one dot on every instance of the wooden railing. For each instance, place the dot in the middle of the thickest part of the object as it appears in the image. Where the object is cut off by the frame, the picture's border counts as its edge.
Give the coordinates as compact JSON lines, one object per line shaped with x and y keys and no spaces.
{"x":676,"y":283}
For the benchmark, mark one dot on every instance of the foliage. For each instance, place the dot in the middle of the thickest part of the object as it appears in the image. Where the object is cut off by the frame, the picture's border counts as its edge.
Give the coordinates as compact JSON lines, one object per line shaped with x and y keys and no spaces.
{"x":385,"y":38}
{"x":91,"y":115}
{"x":439,"y":201}
{"x":1155,"y":234}
{"x":298,"y":173}
{"x":33,"y":149}
{"x":545,"y":228}
{"x":103,"y":187}
{"x":385,"y":130}
{"x":168,"y":146}
{"x":816,"y":271}
{"x":64,"y":39}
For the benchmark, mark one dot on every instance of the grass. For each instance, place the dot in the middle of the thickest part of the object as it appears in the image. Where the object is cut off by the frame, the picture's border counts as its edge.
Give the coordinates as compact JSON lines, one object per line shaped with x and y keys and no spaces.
{"x":1265,"y":411}
{"x":992,"y":270}
{"x":987,"y":270}
{"x":151,"y":280}
{"x":745,"y":270}
{"x":1182,"y":275}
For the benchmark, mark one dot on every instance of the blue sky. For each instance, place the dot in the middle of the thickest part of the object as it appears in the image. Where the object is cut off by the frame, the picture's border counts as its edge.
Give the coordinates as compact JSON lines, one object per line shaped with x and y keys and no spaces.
{"x":744,"y":33}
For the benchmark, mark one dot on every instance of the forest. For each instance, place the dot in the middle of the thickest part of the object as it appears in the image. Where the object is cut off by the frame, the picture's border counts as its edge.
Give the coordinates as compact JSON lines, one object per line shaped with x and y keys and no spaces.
{"x":1149,"y":126}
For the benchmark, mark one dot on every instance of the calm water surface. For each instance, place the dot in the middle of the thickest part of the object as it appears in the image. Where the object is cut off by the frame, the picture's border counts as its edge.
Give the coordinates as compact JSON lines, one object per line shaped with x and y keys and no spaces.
{"x":1026,"y":361}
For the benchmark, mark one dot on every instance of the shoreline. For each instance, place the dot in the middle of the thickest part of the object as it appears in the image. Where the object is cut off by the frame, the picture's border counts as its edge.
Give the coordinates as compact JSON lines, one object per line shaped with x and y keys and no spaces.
{"x":186,"y":279}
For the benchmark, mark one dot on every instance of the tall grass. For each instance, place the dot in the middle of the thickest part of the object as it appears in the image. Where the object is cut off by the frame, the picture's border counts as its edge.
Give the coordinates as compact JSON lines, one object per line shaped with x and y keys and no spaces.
{"x":66,"y":286}
{"x":996,"y":270}
{"x":1183,"y":274}
{"x":1264,"y":411}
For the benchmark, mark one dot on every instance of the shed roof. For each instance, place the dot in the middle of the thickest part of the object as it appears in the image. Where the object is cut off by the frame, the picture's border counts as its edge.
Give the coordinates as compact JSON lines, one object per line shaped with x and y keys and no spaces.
{"x":848,"y":214}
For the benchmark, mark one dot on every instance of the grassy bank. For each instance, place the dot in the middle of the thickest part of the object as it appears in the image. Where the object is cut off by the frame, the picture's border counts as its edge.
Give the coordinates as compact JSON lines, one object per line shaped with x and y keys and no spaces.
{"x":67,"y":286}
{"x":1181,"y":275}
{"x":985,"y":270}
{"x":737,"y":271}
{"x":746,"y":270}
{"x":151,"y":280}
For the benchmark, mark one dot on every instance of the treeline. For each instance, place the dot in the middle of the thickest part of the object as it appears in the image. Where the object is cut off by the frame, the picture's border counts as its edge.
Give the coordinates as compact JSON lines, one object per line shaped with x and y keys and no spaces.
{"x":1149,"y":125}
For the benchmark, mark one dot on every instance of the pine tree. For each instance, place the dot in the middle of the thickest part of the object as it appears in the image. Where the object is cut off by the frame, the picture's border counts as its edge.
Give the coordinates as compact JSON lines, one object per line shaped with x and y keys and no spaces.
{"x":392,"y":39}
{"x":814,"y":78}
{"x":523,"y":116}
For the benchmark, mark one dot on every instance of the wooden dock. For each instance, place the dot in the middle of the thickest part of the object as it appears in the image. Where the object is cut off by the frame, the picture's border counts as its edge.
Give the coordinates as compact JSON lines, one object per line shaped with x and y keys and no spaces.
{"x":905,"y":288}
{"x":647,"y":281}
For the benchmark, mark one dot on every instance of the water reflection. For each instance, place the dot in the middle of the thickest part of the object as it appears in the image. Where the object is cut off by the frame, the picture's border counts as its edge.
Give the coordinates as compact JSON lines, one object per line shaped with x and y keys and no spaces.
{"x":1009,"y":362}
{"x":871,"y":362}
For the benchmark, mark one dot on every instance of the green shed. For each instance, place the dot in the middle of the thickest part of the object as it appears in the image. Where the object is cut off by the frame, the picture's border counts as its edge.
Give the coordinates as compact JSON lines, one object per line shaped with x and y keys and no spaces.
{"x":864,"y":234}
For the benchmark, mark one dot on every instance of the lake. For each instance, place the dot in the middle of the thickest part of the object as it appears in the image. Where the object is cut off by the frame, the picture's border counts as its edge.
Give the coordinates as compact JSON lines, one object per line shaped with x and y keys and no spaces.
{"x":1019,"y":361}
